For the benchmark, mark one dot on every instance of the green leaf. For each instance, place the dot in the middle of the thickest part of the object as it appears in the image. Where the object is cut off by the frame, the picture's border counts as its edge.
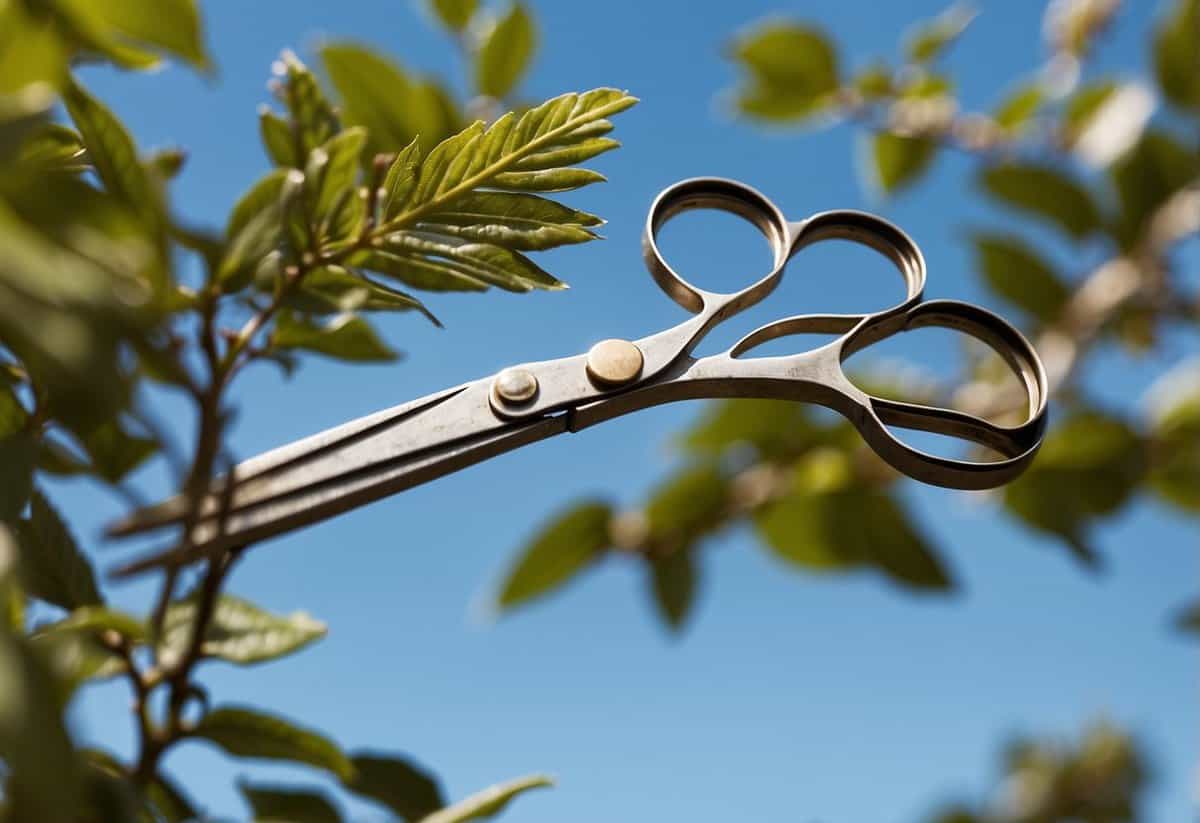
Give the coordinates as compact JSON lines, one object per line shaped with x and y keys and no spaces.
{"x":793,"y":71}
{"x":395,"y":108}
{"x":571,"y":542}
{"x":1083,"y":107}
{"x":401,"y":179}
{"x":277,"y":139}
{"x":52,"y":566}
{"x":98,"y":620}
{"x":249,"y":733}
{"x":455,"y":14}
{"x":1176,"y":56}
{"x":113,"y":155}
{"x":396,"y":783}
{"x":773,"y":428}
{"x":1018,"y":109}
{"x":313,"y":118}
{"x":688,"y":503}
{"x":75,"y":648}
{"x":334,"y":290}
{"x":932,"y":38}
{"x":1188,"y":619}
{"x":168,"y":800}
{"x":489,"y":802}
{"x":32,"y":57}
{"x":344,"y":337}
{"x":114,"y":452}
{"x":256,"y":225}
{"x":338,"y":174}
{"x":1017,"y":273}
{"x":238,"y":632}
{"x":283,"y":804}
{"x":170,"y":25}
{"x":548,"y":180}
{"x":1088,"y":468}
{"x":849,"y":528}
{"x":264,"y":195}
{"x":899,"y":161}
{"x":1044,"y":192}
{"x":505,"y":52}
{"x":674,"y":585}
{"x":18,"y":454}
{"x":1175,"y":433}
{"x":440,"y":221}
{"x":1145,"y":178}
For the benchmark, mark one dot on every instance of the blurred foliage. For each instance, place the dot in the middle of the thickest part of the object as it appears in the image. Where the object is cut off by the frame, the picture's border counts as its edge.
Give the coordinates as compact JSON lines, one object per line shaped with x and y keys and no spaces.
{"x":1082,"y":164}
{"x":382,"y":185}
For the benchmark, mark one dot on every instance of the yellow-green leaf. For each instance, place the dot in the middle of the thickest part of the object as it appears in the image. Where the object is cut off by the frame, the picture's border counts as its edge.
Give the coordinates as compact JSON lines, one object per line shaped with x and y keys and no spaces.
{"x":238,"y":632}
{"x":1017,"y":273}
{"x":489,"y":802}
{"x":249,"y":733}
{"x":897,"y":161}
{"x":344,"y":337}
{"x":1044,"y":192}
{"x":506,"y":52}
{"x":570,"y":543}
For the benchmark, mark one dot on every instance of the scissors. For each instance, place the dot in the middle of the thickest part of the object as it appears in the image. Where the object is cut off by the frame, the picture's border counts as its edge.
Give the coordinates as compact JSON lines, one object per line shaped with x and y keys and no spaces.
{"x":395,"y":449}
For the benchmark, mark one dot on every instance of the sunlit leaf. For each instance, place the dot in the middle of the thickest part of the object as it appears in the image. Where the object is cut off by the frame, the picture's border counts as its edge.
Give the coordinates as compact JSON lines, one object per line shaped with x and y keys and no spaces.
{"x":505,"y":52}
{"x":237,"y":632}
{"x":455,"y":13}
{"x":1101,"y":123}
{"x":1017,"y":273}
{"x":339,"y":172}
{"x":397,"y":783}
{"x":170,"y":25}
{"x":489,"y":802}
{"x":344,"y":337}
{"x":249,"y":733}
{"x":932,"y":38}
{"x":566,"y":546}
{"x":1044,"y":192}
{"x":1017,"y":110}
{"x":286,"y":804}
{"x":32,"y":55}
{"x":52,"y":566}
{"x":897,"y":162}
{"x":334,"y":290}
{"x":1176,"y":56}
{"x":793,"y":71}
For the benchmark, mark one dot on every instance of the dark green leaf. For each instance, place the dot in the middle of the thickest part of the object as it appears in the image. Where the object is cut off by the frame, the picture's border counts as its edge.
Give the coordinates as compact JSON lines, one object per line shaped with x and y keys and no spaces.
{"x":75,"y":657}
{"x":931,"y":39}
{"x":1188,"y":619}
{"x":18,"y":454}
{"x":397,"y":783}
{"x":489,"y":802}
{"x":1088,"y":468}
{"x":114,"y":452}
{"x":168,"y":800}
{"x":1044,"y":192}
{"x":899,"y":161}
{"x":339,"y":172}
{"x":248,"y":733}
{"x":794,"y":70}
{"x":344,"y":337}
{"x":264,"y":195}
{"x":774,"y":428}
{"x":1177,"y":57}
{"x":333,"y":290}
{"x":674,"y":585}
{"x":417,"y":271}
{"x":455,"y":13}
{"x":688,"y":503}
{"x":313,"y":118}
{"x":238,"y":632}
{"x":1017,"y":273}
{"x":284,"y":804}
{"x":481,"y":262}
{"x":1146,"y":177}
{"x":570,"y":543}
{"x":52,"y":566}
{"x":505,"y":52}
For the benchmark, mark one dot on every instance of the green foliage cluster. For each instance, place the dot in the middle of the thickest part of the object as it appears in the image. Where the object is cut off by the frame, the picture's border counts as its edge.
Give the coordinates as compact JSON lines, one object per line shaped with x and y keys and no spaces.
{"x":386,"y":187}
{"x":1075,"y":155}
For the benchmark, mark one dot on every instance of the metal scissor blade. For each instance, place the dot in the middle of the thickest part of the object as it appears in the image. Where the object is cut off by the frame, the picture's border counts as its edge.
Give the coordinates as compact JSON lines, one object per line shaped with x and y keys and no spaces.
{"x":341,"y":469}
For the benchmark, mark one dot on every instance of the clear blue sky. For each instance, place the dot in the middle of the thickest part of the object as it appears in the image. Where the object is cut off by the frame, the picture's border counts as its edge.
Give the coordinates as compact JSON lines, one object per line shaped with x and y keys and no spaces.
{"x":788,"y":697}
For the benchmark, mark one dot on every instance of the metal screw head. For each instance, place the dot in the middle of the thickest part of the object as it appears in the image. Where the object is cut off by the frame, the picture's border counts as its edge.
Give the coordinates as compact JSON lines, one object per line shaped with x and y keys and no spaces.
{"x":614,"y":362}
{"x":515,"y":385}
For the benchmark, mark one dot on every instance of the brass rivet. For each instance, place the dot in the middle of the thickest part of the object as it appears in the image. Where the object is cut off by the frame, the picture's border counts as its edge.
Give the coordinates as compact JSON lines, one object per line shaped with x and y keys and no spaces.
{"x":614,"y":362}
{"x":515,"y":385}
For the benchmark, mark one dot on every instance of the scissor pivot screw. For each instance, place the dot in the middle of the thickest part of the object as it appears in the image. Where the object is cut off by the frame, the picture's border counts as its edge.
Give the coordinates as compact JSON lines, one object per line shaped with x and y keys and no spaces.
{"x":515,"y":386}
{"x":614,"y":362}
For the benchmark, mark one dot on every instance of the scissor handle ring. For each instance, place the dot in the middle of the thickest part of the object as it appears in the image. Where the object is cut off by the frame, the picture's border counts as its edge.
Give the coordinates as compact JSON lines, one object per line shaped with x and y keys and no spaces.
{"x":1018,"y":444}
{"x":724,"y":195}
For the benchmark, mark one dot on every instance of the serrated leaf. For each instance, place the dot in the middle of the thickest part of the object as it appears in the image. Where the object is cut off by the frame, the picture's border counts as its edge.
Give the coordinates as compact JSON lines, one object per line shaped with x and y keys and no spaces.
{"x":1017,"y":273}
{"x":396,"y":783}
{"x":286,"y":804}
{"x":18,"y":456}
{"x":566,"y":546}
{"x":277,"y":139}
{"x":1044,"y":192}
{"x":793,"y":67}
{"x":455,"y":13}
{"x":897,"y":162}
{"x":335,"y":290}
{"x":238,"y":632}
{"x":931,"y":39}
{"x":506,"y":52}
{"x":1177,"y":57}
{"x":673,"y":583}
{"x":249,"y":733}
{"x":52,"y":566}
{"x":525,"y":222}
{"x":401,"y":179}
{"x":344,"y":337}
{"x":489,"y":802}
{"x":481,"y":262}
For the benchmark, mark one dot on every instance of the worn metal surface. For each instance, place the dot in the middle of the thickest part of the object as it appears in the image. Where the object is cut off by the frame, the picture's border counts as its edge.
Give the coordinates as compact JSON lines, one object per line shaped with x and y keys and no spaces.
{"x":395,"y":449}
